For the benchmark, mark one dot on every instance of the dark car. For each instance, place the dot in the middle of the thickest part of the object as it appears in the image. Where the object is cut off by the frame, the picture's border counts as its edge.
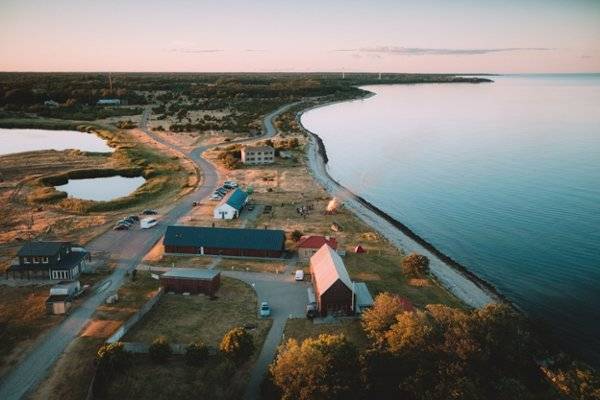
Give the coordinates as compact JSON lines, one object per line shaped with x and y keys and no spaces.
{"x":134,"y":218}
{"x":121,"y":227}
{"x":149,"y":212}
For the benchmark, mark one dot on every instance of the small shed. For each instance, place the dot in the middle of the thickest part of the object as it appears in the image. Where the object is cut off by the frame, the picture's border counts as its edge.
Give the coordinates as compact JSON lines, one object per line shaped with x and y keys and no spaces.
{"x":359,"y":249}
{"x":191,"y":280}
{"x":362,"y":297}
{"x":309,"y":245}
{"x":231,"y":205}
{"x":58,"y":304}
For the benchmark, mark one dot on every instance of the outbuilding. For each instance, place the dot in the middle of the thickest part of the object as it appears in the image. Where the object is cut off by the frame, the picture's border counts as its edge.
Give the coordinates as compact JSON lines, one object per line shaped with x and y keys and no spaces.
{"x":309,"y":245}
{"x":231,"y":205}
{"x":191,"y":280}
{"x":363,"y":299}
{"x":332,"y":284}
{"x":234,"y":242}
{"x":58,"y":304}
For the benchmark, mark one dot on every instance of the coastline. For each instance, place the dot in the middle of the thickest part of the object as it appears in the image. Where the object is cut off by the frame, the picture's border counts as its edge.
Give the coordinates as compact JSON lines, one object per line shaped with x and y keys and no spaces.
{"x":456,"y":278}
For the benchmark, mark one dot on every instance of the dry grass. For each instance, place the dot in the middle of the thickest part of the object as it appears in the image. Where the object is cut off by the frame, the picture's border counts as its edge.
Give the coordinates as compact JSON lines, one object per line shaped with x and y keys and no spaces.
{"x":241,"y":264}
{"x":23,"y":319}
{"x":183,"y":319}
{"x":302,"y":328}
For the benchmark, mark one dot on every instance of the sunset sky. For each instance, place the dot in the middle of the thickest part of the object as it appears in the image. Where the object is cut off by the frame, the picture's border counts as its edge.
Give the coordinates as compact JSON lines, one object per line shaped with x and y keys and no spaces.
{"x":377,"y":36}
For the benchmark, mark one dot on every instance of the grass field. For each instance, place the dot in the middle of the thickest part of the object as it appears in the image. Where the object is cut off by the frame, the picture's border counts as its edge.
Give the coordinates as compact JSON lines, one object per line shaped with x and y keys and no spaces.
{"x":23,"y":319}
{"x":183,"y":319}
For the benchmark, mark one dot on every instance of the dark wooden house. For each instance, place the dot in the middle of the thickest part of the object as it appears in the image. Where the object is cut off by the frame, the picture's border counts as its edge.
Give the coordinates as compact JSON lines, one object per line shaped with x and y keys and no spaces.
{"x":236,"y":242}
{"x":191,"y":280}
{"x":332,"y":284}
{"x":49,"y":260}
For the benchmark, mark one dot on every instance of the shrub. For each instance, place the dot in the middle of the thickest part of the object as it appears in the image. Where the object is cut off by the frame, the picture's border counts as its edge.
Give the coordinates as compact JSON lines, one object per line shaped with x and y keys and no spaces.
{"x":110,"y":360}
{"x":160,"y":350}
{"x":415,"y":265}
{"x":196,"y":353}
{"x":296,"y":235}
{"x":237,"y":345}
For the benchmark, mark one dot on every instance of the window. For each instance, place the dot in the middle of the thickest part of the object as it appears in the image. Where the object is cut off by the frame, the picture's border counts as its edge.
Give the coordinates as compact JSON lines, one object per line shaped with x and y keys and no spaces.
{"x":26,"y":260}
{"x":45,"y":260}
{"x":36,"y":260}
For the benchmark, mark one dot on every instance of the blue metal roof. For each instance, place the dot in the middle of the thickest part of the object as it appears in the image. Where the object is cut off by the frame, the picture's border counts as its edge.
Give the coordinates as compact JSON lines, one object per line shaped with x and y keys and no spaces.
{"x":224,"y":238}
{"x":236,"y":199}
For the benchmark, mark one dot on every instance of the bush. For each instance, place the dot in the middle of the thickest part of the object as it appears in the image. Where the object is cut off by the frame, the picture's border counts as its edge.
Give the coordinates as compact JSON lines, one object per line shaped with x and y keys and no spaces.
{"x":110,"y":360}
{"x":160,"y":350}
{"x":237,"y":345}
{"x":415,"y":265}
{"x":196,"y":353}
{"x":296,"y":235}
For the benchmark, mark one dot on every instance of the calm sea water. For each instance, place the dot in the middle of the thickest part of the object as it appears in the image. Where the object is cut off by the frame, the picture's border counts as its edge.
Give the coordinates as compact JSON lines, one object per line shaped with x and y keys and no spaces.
{"x":101,"y":189}
{"x":20,"y":140}
{"x":503,"y":177}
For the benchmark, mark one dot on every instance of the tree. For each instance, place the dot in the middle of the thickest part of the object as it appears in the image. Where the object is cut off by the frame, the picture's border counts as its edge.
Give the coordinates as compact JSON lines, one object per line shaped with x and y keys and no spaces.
{"x":320,"y":368}
{"x":296,"y":235}
{"x":379,"y":318}
{"x":415,"y":265}
{"x":160,"y":350}
{"x":196,"y":353}
{"x":237,"y":345}
{"x":110,"y":359}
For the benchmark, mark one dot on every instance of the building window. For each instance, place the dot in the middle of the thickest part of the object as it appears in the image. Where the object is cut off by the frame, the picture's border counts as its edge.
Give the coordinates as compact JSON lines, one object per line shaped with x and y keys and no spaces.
{"x":36,"y":260}
{"x":45,"y":260}
{"x":26,"y":260}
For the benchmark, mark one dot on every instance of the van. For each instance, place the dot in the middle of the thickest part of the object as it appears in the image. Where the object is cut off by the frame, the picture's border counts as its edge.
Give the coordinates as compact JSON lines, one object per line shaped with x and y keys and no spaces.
{"x":146,"y":223}
{"x":299,"y":276}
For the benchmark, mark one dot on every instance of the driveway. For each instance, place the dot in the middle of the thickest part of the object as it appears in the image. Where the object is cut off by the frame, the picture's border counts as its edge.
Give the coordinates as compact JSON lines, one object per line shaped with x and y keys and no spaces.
{"x":128,"y":248}
{"x":287,"y":299}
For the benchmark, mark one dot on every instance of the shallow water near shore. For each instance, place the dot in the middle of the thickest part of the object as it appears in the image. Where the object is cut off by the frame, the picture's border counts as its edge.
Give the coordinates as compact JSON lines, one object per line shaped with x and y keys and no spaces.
{"x":101,"y":189}
{"x":502,"y":177}
{"x":21,"y":140}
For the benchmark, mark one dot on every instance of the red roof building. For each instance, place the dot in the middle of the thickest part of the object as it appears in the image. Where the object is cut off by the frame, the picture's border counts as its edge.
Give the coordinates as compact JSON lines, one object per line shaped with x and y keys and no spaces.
{"x":308,"y":245}
{"x":331,"y":282}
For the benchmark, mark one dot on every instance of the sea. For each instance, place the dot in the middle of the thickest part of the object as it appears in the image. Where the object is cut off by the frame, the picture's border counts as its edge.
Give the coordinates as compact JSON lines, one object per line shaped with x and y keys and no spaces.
{"x":503,"y":177}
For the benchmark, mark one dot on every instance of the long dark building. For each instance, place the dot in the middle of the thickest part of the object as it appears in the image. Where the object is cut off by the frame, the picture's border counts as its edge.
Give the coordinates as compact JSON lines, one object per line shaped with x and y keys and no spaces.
{"x":236,"y":242}
{"x":49,"y":260}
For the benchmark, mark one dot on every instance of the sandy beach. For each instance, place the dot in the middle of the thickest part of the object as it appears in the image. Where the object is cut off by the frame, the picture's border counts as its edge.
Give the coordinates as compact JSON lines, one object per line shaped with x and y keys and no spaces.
{"x":471,"y":290}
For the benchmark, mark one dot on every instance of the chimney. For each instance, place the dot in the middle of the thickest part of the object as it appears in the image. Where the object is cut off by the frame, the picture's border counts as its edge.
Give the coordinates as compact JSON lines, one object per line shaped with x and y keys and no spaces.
{"x":213,"y":224}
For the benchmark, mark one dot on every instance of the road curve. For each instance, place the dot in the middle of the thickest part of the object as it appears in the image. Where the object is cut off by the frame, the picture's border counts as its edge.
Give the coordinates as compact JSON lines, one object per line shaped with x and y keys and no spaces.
{"x":128,"y":248}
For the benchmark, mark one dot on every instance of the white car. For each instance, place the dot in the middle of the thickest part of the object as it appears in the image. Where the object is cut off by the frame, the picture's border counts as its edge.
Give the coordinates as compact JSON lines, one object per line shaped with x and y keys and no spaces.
{"x":146,"y":223}
{"x":265,"y":310}
{"x":299,"y":276}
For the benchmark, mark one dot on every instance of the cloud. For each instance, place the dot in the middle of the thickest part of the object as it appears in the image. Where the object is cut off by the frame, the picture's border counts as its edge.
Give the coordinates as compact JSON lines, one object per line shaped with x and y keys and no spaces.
{"x":255,"y":51}
{"x":424,"y":51}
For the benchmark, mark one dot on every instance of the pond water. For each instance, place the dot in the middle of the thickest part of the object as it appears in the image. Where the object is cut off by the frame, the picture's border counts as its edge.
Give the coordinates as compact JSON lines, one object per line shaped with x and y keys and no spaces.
{"x":101,"y":189}
{"x":21,"y":140}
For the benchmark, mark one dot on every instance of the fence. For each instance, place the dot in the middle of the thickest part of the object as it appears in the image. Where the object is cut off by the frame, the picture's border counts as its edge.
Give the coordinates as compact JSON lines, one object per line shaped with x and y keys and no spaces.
{"x":135,"y":318}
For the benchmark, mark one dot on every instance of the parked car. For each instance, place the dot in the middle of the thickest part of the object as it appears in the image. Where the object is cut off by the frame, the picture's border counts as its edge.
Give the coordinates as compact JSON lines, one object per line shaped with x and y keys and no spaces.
{"x":125,"y":222}
{"x":134,"y":218}
{"x":146,"y":223}
{"x":149,"y":212}
{"x":299,"y":276}
{"x":129,"y":219}
{"x":215,"y":197}
{"x":221,"y":191}
{"x":121,"y":227}
{"x":265,"y":310}
{"x":230,"y":185}
{"x":250,"y":207}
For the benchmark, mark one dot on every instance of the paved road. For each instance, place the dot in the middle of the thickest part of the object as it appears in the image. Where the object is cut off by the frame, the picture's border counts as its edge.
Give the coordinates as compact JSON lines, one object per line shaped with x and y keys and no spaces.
{"x":128,"y":248}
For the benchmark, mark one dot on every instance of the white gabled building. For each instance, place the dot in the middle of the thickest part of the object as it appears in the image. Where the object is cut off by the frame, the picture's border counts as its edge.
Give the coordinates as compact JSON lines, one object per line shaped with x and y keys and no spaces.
{"x":231,"y":205}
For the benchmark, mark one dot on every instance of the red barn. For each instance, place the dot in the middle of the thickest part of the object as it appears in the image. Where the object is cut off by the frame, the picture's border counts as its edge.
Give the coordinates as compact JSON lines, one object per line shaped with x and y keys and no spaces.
{"x":191,"y":280}
{"x":333,"y":287}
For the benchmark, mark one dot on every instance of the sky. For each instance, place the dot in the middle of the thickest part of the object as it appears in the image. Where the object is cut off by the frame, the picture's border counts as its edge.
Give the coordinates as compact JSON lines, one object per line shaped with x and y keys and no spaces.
{"x":461,"y":36}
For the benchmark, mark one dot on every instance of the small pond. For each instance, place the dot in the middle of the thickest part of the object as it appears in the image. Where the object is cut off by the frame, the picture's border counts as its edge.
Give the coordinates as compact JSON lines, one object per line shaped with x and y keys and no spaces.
{"x":101,"y":189}
{"x":21,"y":140}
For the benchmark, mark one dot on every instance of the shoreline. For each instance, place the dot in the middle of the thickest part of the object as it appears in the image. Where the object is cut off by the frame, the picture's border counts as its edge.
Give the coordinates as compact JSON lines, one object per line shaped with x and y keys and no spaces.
{"x":453,"y":276}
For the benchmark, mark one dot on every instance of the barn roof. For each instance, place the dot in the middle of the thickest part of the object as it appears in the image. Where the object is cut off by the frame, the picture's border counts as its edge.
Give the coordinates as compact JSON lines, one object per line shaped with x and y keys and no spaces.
{"x":316,"y":242}
{"x":235,"y":199}
{"x":224,"y":238}
{"x":327,"y":267}
{"x":191,"y":273}
{"x":41,"y":248}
